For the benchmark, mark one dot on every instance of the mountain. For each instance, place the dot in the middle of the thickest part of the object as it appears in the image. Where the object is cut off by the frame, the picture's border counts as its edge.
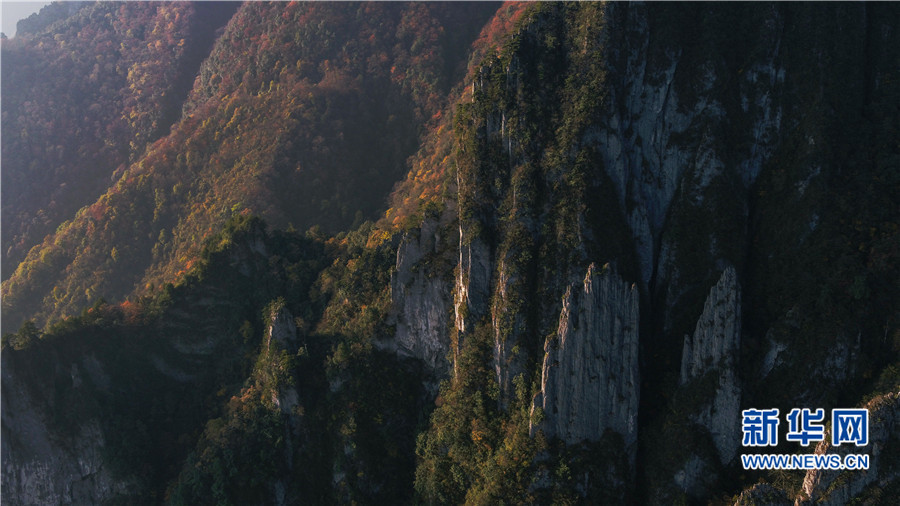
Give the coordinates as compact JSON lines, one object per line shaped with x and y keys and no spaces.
{"x":601,"y":231}
{"x":86,"y":87}
{"x":279,"y":123}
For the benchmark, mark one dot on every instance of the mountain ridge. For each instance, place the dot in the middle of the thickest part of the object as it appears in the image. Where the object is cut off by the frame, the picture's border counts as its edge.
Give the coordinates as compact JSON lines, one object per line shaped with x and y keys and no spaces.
{"x":172,"y":199}
{"x":625,"y":225}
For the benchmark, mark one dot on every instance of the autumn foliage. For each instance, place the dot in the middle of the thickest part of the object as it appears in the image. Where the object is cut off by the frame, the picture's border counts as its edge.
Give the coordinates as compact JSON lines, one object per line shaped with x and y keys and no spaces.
{"x":304,"y":113}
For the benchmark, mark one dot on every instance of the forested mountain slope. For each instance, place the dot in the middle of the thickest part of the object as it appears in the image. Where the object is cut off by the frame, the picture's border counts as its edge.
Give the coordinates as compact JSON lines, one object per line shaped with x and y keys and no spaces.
{"x":304,"y":113}
{"x":83,"y":94}
{"x":619,"y":226}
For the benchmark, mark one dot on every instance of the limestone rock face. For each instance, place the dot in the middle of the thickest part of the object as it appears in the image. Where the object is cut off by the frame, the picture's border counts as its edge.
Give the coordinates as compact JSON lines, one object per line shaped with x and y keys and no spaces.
{"x":282,"y":330}
{"x":824,"y":486}
{"x":509,"y":325}
{"x":641,"y":140}
{"x":421,"y":300}
{"x":713,"y":349}
{"x":282,"y":335}
{"x":590,"y":379}
{"x":61,"y":475}
{"x":39,"y":468}
{"x":473,"y":284}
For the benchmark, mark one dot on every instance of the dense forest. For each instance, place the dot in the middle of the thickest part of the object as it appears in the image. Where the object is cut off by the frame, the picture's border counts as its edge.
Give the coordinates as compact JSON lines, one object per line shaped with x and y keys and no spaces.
{"x":443,"y":253}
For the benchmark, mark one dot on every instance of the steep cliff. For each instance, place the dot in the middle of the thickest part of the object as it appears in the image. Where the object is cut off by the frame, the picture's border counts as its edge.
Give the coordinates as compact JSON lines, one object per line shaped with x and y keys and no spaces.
{"x":590,"y":381}
{"x":252,"y":450}
{"x":660,"y":138}
{"x":98,"y":408}
{"x":711,"y":355}
{"x":736,"y":164}
{"x":473,"y":282}
{"x":281,"y":335}
{"x":42,"y":465}
{"x":421,"y":297}
{"x":659,"y":147}
{"x":828,"y":487}
{"x":303,"y":113}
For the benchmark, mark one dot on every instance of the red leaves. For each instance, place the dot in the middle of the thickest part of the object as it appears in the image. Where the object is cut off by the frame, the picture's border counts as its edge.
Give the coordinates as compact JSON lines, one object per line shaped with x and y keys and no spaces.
{"x":97,"y":211}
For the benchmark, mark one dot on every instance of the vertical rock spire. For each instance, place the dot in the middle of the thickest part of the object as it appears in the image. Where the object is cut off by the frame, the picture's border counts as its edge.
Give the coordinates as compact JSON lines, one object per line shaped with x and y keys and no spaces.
{"x":590,"y":379}
{"x":713,"y":349}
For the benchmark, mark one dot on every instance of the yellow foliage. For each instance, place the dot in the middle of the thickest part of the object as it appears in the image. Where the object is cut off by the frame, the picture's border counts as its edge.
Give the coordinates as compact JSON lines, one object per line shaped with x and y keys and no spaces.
{"x":377,"y":238}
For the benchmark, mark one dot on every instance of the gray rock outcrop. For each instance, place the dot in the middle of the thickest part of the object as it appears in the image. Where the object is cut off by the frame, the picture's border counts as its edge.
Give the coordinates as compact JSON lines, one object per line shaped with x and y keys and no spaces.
{"x":590,"y":381}
{"x":420,"y":300}
{"x":282,"y":330}
{"x":832,"y":487}
{"x":281,"y":334}
{"x":509,"y":325}
{"x":473,"y":283}
{"x":713,"y":349}
{"x":641,"y":140}
{"x":41,"y":468}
